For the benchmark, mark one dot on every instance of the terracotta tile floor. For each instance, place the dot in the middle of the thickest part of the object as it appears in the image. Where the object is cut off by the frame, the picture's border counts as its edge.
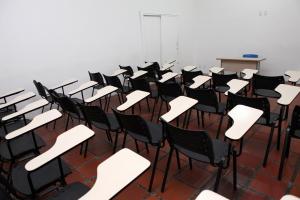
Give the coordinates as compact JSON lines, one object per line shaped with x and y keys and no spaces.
{"x":254,"y":181}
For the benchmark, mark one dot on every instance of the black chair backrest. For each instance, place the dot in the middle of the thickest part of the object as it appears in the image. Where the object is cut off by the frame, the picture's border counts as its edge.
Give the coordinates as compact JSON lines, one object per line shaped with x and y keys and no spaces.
{"x":295,"y":123}
{"x":195,"y":141}
{"x":114,"y":81}
{"x":169,"y":89}
{"x":258,"y":103}
{"x":97,"y":77}
{"x":129,"y":70}
{"x":140,"y":84}
{"x":153,"y":71}
{"x":266,"y":82}
{"x":187,"y":77}
{"x":68,"y":105}
{"x":222,"y":79}
{"x":133,"y":124}
{"x":40,"y":88}
{"x":94,"y":114}
{"x":206,"y":97}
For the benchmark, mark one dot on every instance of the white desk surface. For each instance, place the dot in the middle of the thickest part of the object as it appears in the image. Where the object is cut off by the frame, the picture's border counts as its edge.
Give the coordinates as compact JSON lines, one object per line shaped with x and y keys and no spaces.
{"x":215,"y":70}
{"x":199,"y":80}
{"x":83,"y":86}
{"x":243,"y":59}
{"x":289,"y":197}
{"x":28,"y":108}
{"x":64,"y":83}
{"x":166,"y":66}
{"x":243,"y":119}
{"x":133,"y":98}
{"x":294,"y":75}
{"x":236,"y":85}
{"x":64,"y":142}
{"x":119,"y":72}
{"x":167,"y":76}
{"x":36,"y":122}
{"x":138,"y":74}
{"x":115,"y":173}
{"x":10,"y":93}
{"x":249,"y":73}
{"x":145,"y":65}
{"x":178,"y":106}
{"x":288,"y":93}
{"x":18,"y":99}
{"x":210,"y":195}
{"x":101,"y":93}
{"x":189,"y":68}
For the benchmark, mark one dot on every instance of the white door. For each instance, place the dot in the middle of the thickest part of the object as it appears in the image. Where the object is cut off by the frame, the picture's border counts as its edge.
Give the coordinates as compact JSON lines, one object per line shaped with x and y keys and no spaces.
{"x":152,"y":38}
{"x":169,"y":41}
{"x":160,"y":37}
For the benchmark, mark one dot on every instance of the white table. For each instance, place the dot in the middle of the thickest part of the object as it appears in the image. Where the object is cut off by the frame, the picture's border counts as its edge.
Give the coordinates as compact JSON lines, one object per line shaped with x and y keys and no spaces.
{"x":10,"y":93}
{"x":238,"y":64}
{"x":210,"y":195}
{"x":236,"y":85}
{"x":82,"y":87}
{"x":37,"y":121}
{"x":119,"y":72}
{"x":289,"y":197}
{"x":189,"y":68}
{"x":64,"y":142}
{"x":294,"y":76}
{"x":167,"y":76}
{"x":249,"y":73}
{"x":178,"y":106}
{"x":138,"y":74}
{"x":288,"y":93}
{"x":63,"y":84}
{"x":170,"y":61}
{"x":17,"y":99}
{"x":199,"y":80}
{"x":133,"y":98}
{"x":28,"y":108}
{"x":244,"y":117}
{"x":215,"y":70}
{"x":101,"y":93}
{"x":115,"y":173}
{"x":166,"y":66}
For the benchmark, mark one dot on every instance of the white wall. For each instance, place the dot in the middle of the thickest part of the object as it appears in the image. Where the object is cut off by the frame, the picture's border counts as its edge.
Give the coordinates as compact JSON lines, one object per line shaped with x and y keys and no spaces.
{"x":53,"y":40}
{"x":234,"y":27}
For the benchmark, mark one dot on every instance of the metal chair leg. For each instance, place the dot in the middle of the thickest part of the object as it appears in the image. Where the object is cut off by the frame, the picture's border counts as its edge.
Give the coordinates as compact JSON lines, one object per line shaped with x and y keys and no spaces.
{"x":66,"y":128}
{"x":167,"y":170}
{"x":154,"y":168}
{"x":219,"y":128}
{"x":116,"y":142}
{"x":219,"y":173}
{"x":283,"y":156}
{"x":177,"y":158}
{"x":268,"y":147}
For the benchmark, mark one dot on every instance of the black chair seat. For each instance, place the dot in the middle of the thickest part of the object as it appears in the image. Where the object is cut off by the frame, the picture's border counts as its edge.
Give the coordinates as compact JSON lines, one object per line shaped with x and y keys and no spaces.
{"x":75,"y":116}
{"x":167,"y":98}
{"x":7,"y":111}
{"x":44,"y":176}
{"x":155,"y":132}
{"x":267,"y":93}
{"x":211,"y":109}
{"x":11,"y":126}
{"x":20,"y":146}
{"x":273,"y":118}
{"x":72,"y":191}
{"x":220,"y":149}
{"x":114,"y":124}
{"x":222,"y":89}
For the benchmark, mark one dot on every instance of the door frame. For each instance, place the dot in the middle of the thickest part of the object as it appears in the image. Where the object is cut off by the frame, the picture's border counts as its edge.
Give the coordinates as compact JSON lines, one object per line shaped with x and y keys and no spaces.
{"x":143,"y":43}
